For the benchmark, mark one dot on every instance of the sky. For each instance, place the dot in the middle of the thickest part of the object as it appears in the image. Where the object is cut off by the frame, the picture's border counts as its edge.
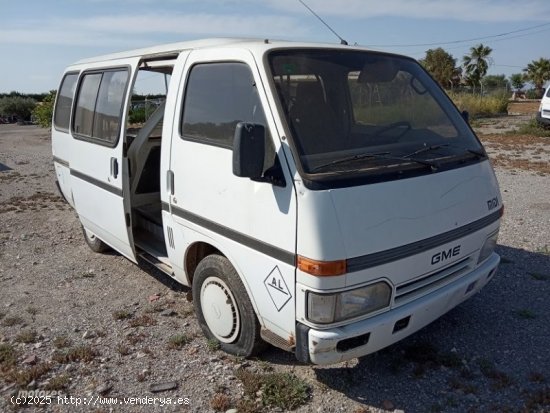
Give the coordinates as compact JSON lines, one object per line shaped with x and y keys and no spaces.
{"x":39,"y":38}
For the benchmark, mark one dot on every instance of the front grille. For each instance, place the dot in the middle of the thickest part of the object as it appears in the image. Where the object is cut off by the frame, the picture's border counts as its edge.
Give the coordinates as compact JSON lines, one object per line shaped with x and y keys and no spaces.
{"x":413,"y":289}
{"x":546,"y":112}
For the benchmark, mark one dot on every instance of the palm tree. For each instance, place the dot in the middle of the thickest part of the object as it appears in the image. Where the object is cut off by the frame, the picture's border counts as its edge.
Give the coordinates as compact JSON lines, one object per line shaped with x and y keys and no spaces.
{"x":538,"y":72}
{"x":476,"y":64}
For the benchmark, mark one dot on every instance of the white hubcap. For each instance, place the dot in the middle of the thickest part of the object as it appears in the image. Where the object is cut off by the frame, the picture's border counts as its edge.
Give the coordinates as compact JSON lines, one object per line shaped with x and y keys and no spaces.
{"x":220,"y":309}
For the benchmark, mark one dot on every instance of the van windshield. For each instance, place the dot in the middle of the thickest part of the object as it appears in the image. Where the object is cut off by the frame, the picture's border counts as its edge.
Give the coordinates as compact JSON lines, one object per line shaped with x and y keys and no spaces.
{"x":367,"y":113}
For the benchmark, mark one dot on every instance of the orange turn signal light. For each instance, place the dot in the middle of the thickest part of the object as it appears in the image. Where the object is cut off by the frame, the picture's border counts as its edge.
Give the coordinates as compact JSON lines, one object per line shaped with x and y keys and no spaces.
{"x":321,"y":268}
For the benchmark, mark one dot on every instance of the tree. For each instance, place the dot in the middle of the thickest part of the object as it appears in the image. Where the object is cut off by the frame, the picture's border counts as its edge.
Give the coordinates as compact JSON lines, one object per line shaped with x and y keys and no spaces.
{"x":442,"y":66}
{"x":18,"y":106}
{"x":43,"y":111}
{"x":476,"y":64}
{"x":495,"y":81}
{"x":517,"y":81}
{"x":538,"y":72}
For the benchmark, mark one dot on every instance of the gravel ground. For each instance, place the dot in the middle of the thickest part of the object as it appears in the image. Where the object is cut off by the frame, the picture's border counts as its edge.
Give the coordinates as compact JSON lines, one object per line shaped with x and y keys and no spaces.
{"x":88,"y":325}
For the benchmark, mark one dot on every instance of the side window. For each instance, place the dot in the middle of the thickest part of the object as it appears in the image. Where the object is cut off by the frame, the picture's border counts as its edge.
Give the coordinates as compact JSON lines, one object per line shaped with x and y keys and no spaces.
{"x":217,"y":97}
{"x":65,"y":101}
{"x":99,"y":106}
{"x":85,"y":105}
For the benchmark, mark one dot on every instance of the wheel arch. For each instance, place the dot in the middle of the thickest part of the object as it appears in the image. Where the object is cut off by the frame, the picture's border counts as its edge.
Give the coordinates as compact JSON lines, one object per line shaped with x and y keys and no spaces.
{"x":199,"y":250}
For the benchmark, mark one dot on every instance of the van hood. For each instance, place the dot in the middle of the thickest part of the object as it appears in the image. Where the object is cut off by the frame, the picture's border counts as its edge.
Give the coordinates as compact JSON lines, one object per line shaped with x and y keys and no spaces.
{"x":366,"y":219}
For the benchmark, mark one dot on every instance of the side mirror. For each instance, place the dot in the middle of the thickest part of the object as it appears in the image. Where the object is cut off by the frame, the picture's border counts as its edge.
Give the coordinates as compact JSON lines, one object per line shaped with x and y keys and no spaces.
{"x":466,"y":116}
{"x":248,"y":150}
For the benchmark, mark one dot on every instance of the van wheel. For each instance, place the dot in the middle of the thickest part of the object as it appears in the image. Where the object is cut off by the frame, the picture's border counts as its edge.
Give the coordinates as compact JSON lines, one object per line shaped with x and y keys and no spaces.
{"x":94,"y":242}
{"x":223,"y":308}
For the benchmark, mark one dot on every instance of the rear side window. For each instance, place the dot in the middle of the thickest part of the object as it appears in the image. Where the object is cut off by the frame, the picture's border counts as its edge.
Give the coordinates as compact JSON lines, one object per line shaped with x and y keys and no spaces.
{"x":99,"y":106}
{"x":64,"y":102}
{"x":217,"y":97}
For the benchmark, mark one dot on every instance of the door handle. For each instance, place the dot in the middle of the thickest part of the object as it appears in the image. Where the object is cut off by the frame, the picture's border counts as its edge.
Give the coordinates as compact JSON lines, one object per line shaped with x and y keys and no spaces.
{"x":170,"y":182}
{"x":114,"y":167}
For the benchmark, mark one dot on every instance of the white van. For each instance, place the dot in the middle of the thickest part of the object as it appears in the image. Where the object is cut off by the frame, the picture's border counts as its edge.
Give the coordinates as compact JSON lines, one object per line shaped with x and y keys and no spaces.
{"x":543,"y":115}
{"x":329,"y":200}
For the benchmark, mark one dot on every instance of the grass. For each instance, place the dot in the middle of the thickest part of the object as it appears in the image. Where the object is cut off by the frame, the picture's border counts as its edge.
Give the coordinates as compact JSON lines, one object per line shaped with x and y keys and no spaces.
{"x":532,"y":128}
{"x":58,"y":383}
{"x":526,"y":314}
{"x":8,"y":356}
{"x":27,"y":336}
{"x":279,"y":390}
{"x":12,"y":321}
{"x":62,"y":342}
{"x":81,"y":353}
{"x":24,"y":377}
{"x":212,"y":344}
{"x":284,"y":390}
{"x":480,"y":106}
{"x":220,"y":402}
{"x":178,"y":341}
{"x":143,"y":320}
{"x":32,"y":311}
{"x":122,"y":315}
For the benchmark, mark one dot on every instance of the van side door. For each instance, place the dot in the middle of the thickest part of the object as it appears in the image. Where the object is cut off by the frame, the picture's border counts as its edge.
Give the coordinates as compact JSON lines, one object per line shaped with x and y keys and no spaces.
{"x":252,"y":223}
{"x":97,"y":167}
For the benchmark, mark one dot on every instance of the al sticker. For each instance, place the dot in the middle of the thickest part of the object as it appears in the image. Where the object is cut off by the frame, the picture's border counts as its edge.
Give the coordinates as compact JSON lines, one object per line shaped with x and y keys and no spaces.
{"x":277,"y":288}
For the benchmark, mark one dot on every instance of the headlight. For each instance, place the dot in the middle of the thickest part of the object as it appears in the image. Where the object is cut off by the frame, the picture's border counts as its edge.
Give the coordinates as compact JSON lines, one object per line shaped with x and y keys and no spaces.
{"x":488,"y":247}
{"x":331,"y":308}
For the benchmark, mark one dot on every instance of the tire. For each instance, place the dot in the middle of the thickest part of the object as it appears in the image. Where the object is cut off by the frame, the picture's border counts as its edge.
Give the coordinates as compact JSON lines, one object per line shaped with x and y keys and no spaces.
{"x":223,"y":308}
{"x":94,"y":242}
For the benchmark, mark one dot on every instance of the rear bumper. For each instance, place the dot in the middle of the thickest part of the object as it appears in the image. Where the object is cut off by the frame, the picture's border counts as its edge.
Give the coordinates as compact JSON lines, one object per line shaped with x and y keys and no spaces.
{"x":367,"y":336}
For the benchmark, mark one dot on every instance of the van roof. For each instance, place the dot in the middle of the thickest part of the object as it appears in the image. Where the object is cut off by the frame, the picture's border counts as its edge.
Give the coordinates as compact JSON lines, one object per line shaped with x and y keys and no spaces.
{"x":173,"y":48}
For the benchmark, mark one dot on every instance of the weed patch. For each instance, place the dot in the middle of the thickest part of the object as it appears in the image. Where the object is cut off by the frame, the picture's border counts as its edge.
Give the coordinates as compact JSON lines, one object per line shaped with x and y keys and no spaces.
{"x":80,"y":353}
{"x":220,"y":402}
{"x":8,"y":356}
{"x":143,"y":320}
{"x":122,"y":315}
{"x":58,"y":382}
{"x":27,"y":336}
{"x":62,"y":342}
{"x":12,"y":321}
{"x":178,"y":341}
{"x":278,"y":390}
{"x":24,"y":377}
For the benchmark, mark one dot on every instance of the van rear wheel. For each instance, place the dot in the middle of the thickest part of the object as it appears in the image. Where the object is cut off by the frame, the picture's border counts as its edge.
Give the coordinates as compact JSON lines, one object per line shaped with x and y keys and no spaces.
{"x":93,"y":241}
{"x":223,"y":308}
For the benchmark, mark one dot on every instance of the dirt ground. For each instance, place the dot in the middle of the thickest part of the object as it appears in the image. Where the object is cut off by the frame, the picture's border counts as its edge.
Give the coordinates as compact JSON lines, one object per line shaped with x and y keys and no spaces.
{"x":97,"y":328}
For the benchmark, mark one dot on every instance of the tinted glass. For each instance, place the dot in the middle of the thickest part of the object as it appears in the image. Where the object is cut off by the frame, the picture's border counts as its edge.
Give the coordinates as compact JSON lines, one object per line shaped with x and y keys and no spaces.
{"x":64,"y":102}
{"x":218,"y":96}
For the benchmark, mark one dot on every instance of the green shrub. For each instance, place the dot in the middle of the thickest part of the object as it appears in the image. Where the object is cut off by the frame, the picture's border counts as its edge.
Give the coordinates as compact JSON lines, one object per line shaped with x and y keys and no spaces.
{"x":479,"y":106}
{"x":43,"y":111}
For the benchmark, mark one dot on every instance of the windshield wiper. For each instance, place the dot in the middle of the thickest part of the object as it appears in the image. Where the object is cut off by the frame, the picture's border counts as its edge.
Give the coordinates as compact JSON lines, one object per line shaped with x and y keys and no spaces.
{"x":426,"y":149}
{"x":350,"y":159}
{"x":381,"y":155}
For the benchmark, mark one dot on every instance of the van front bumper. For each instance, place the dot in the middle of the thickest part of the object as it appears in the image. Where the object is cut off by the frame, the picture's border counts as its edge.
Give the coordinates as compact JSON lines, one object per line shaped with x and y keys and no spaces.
{"x":367,"y":336}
